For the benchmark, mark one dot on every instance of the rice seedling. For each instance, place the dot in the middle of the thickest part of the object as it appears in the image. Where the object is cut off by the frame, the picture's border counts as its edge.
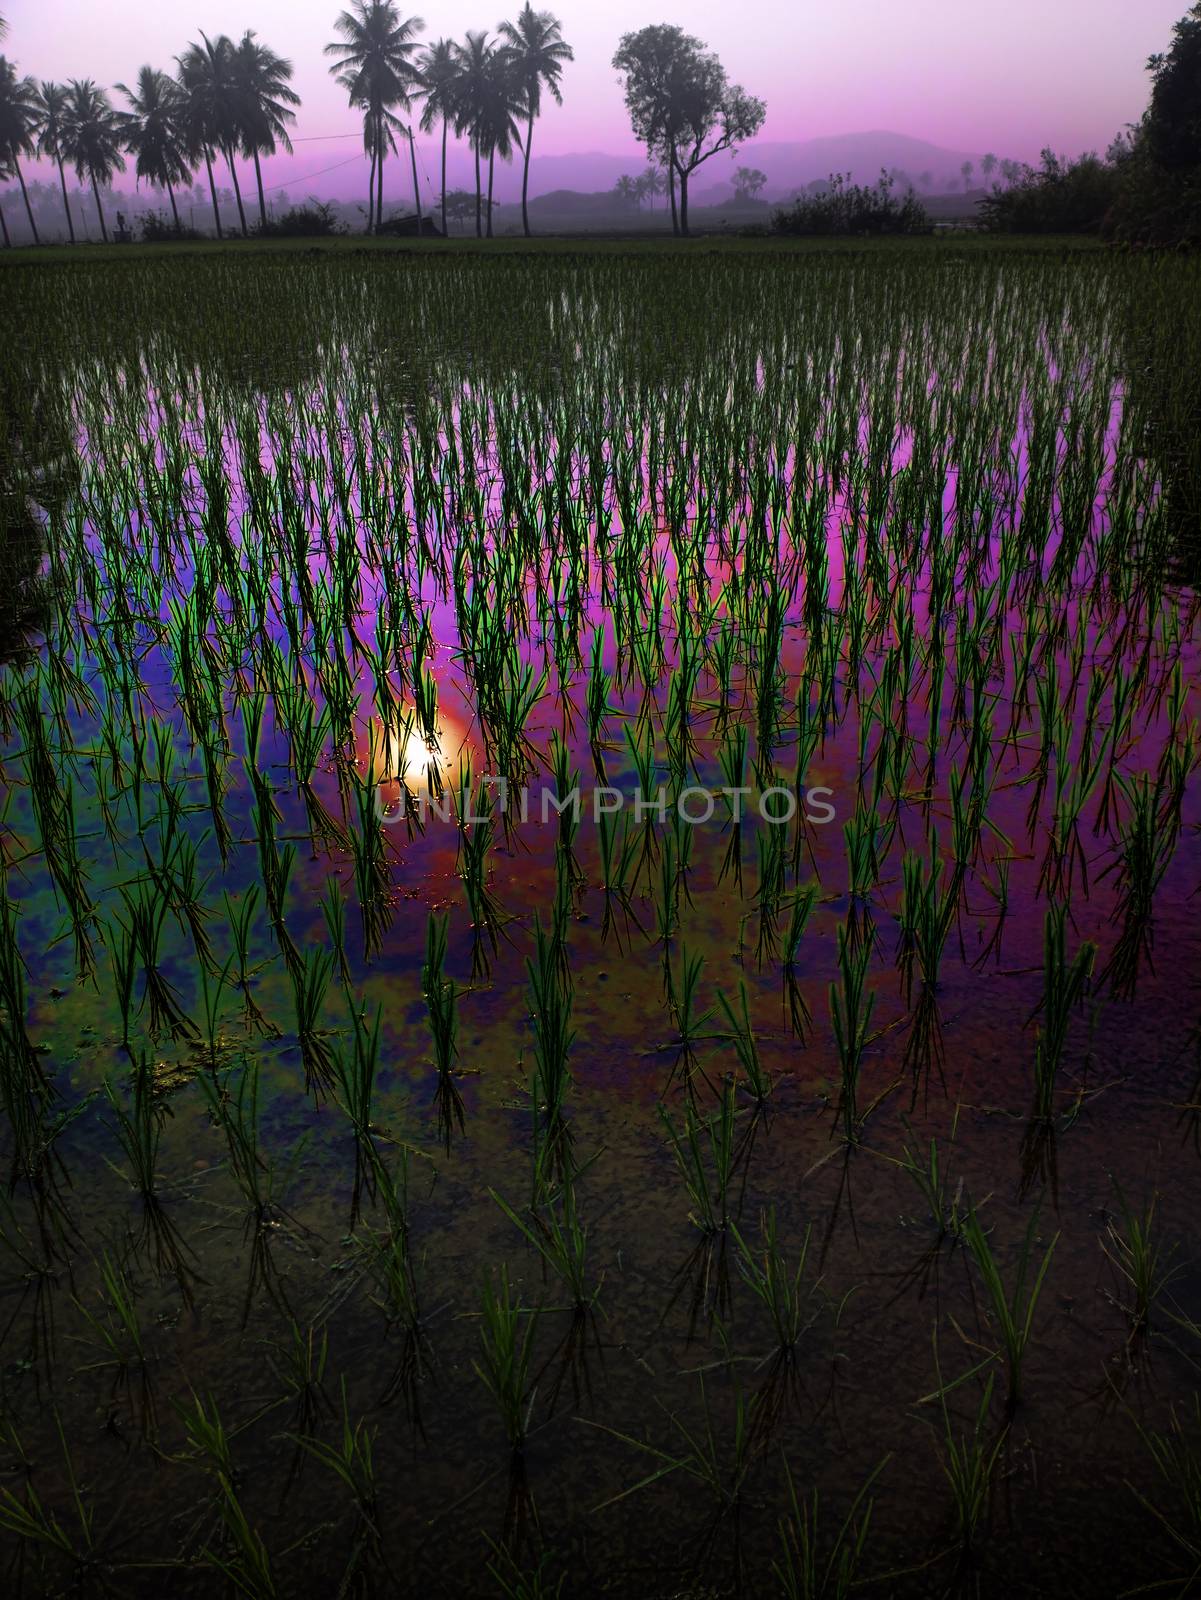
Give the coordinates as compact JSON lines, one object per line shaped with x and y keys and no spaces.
{"x":351,"y":1459}
{"x":706,"y":1155}
{"x":1176,"y":1455}
{"x":800,"y":1018}
{"x":851,"y":1013}
{"x":810,"y":1567}
{"x":242,"y":1559}
{"x":441,"y":998}
{"x":755,"y":1077}
{"x":1143,"y":1266}
{"x":76,"y":1542}
{"x":969,"y":1463}
{"x":354,"y":1075}
{"x":550,"y":1002}
{"x":925,"y":922}
{"x":1065,"y":986}
{"x":240,"y":916}
{"x":1014,"y":1309}
{"x":260,"y":1181}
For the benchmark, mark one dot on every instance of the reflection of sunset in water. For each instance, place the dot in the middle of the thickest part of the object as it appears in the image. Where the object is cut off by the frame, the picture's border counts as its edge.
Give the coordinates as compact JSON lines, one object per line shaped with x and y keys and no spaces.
{"x":401,"y":754}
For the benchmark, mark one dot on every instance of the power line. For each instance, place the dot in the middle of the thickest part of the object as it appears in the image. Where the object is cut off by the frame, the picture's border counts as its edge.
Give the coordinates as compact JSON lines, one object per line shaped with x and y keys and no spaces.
{"x":305,"y":176}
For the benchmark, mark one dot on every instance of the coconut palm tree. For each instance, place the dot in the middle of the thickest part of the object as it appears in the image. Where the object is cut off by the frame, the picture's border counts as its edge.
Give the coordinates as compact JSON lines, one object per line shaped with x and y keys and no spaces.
{"x":473,"y":63}
{"x":199,"y":125}
{"x":503,"y":101}
{"x":18,"y":128}
{"x":5,"y":175}
{"x":155,"y":134}
{"x":372,"y":61}
{"x":537,"y":54}
{"x":265,"y":99}
{"x":52,"y":104}
{"x":441,"y":90}
{"x":489,"y":103}
{"x":215,"y":114}
{"x":92,"y":138}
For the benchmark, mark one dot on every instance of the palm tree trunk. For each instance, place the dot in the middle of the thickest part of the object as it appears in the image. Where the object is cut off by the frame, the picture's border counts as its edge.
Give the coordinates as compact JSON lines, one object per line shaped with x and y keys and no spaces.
{"x":25,"y":196}
{"x":258,"y":175}
{"x":233,"y":172}
{"x":208,"y":162}
{"x":99,"y":210}
{"x":8,"y":244}
{"x":62,"y":178}
{"x":371,"y":195}
{"x":479,"y":232}
{"x":444,"y":176}
{"x":382,"y":149}
{"x":416,"y":186}
{"x":174,"y":207}
{"x":491,"y":170}
{"x":525,"y":176}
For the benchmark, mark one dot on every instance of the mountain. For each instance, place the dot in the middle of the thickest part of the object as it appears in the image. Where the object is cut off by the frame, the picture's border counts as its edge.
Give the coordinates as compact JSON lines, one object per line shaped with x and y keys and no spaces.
{"x":793,"y":164}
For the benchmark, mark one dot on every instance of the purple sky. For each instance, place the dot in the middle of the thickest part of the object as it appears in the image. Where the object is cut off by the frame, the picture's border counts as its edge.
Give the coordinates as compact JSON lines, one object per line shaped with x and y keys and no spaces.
{"x":1011,"y":78}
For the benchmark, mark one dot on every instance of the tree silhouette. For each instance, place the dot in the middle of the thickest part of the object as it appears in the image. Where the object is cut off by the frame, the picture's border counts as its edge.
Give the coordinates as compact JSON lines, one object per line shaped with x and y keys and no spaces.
{"x":626,"y":190}
{"x":18,"y":127}
{"x":373,"y":63}
{"x":92,"y":138}
{"x":1174,"y":116}
{"x":489,"y":104}
{"x":209,"y":80}
{"x":747,"y":182}
{"x":264,"y":101}
{"x":155,"y":134}
{"x":51,"y":107}
{"x":441,"y":88}
{"x":537,"y":53}
{"x":681,"y":104}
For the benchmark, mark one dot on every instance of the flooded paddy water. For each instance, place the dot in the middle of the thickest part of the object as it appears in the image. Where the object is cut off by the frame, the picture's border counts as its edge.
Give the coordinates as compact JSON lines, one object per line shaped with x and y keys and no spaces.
{"x":599,"y":984}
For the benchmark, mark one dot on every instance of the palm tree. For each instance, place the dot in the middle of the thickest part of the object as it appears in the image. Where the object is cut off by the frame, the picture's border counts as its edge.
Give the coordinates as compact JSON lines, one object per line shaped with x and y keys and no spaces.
{"x":155,"y":134}
{"x":442,"y":88}
{"x":473,"y":58}
{"x":652,"y":182}
{"x":52,"y":105}
{"x":488,"y":105}
{"x":5,"y":175}
{"x":208,"y":76}
{"x":92,"y":137}
{"x":372,"y":63}
{"x":264,"y":99}
{"x":503,"y":101}
{"x":537,"y":53}
{"x":18,"y":125}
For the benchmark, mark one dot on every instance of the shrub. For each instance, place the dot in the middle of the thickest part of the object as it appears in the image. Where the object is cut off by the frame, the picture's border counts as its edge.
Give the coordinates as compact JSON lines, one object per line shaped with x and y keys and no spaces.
{"x":316,"y":220}
{"x":844,"y":207}
{"x":1057,"y":197}
{"x":158,"y":226}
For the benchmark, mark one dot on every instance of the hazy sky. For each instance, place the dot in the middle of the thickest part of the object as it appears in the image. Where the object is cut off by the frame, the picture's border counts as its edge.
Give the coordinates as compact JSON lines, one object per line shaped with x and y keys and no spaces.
{"x":1009,"y":77}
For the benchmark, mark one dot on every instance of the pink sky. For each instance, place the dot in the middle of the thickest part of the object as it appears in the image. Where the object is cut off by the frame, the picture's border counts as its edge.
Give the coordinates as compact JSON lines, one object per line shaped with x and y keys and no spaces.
{"x":1011,"y":77}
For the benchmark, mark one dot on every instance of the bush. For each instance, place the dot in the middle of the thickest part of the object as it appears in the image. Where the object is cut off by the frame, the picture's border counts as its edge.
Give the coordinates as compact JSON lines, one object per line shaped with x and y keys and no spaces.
{"x":158,"y":226}
{"x":1057,"y":197}
{"x":316,"y":220}
{"x":843,"y":207}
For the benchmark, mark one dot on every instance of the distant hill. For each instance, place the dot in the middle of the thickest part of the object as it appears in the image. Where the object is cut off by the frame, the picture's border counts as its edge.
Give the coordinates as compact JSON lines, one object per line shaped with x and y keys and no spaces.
{"x":789,"y":165}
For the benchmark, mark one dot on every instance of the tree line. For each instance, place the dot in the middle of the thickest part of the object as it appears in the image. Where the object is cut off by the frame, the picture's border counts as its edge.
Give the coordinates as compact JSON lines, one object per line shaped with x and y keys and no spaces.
{"x":228,"y":101}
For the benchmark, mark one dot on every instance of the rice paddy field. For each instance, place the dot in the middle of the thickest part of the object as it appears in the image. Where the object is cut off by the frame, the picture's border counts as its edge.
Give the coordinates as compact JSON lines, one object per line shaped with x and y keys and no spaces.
{"x":599,"y":973}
